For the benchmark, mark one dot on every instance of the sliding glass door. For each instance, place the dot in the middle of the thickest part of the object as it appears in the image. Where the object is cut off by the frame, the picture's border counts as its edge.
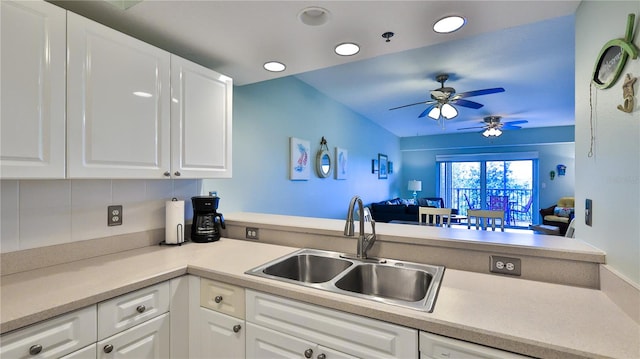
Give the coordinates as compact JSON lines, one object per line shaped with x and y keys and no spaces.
{"x":499,"y":184}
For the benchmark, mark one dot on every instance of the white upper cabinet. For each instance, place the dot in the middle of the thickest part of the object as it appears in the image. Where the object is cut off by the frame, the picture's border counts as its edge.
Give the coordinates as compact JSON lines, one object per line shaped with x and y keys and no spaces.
{"x":201,"y":106}
{"x":32,"y":118}
{"x":118,"y":99}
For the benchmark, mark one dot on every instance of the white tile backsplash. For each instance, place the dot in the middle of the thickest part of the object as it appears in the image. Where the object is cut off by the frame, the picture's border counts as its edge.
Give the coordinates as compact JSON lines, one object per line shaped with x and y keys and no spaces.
{"x":38,"y":213}
{"x":9,"y":216}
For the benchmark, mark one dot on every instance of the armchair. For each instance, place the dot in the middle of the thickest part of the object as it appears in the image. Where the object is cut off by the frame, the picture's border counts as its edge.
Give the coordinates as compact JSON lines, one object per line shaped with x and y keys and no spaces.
{"x":560,"y":214}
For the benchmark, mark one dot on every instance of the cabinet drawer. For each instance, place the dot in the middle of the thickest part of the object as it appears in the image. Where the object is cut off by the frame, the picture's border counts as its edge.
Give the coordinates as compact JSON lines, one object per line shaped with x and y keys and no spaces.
{"x":435,"y":346}
{"x":149,"y":340}
{"x":131,"y":309}
{"x":52,"y":338}
{"x":222,"y":297}
{"x":347,"y":333}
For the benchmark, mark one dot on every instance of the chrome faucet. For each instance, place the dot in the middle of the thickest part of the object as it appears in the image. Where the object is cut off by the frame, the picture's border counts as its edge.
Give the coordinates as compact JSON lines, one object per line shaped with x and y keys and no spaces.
{"x":365,"y":242}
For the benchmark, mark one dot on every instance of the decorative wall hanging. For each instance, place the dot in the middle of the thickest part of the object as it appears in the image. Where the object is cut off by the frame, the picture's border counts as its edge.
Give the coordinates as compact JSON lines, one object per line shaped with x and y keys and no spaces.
{"x":383,"y":166}
{"x":299,"y":159}
{"x":613,"y":57}
{"x":627,"y":94}
{"x":390,"y":168}
{"x":562,"y":169}
{"x":374,"y":166}
{"x":552,"y":175}
{"x":341,"y":163}
{"x":323,"y":160}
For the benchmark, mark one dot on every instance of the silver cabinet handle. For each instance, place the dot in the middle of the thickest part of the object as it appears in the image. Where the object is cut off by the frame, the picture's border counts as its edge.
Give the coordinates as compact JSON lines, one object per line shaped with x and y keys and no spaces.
{"x":35,"y":349}
{"x":236,"y":328}
{"x":108,"y":348}
{"x":141,"y":309}
{"x":322,"y":356}
{"x":177,"y":173}
{"x":308,"y":353}
{"x":218,"y":299}
{"x":167,"y":173}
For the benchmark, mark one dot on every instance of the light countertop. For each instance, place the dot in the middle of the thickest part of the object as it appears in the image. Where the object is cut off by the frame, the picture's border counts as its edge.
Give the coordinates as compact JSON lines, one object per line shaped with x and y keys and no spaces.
{"x":535,"y":318}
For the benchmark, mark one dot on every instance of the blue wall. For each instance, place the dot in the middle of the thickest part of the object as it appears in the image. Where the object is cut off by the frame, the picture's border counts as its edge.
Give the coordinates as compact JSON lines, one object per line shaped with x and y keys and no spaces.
{"x":265,"y":115}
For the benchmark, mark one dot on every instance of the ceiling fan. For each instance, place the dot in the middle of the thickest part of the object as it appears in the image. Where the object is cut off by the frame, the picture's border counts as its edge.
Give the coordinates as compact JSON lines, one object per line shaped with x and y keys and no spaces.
{"x":443,"y":99}
{"x":493,"y":127}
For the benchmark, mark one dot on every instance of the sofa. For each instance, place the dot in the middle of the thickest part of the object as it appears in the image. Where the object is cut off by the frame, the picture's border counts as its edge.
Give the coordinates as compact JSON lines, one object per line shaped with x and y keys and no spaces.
{"x":560,"y":214}
{"x":398,"y":209}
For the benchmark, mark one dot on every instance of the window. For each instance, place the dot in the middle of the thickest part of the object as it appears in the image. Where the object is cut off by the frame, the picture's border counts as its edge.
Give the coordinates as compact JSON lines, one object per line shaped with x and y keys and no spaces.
{"x":472,"y":181}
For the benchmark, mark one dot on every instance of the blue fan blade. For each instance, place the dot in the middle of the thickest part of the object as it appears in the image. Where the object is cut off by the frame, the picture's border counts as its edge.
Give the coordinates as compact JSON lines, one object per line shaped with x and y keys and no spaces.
{"x":480,"y":92}
{"x":515,"y":122}
{"x":425,"y":112}
{"x":509,"y":127}
{"x":467,"y":103}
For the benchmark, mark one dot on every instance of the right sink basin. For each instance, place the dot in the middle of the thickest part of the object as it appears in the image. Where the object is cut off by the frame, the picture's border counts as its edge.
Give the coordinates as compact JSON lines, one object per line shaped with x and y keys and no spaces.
{"x":386,"y":281}
{"x":405,"y":284}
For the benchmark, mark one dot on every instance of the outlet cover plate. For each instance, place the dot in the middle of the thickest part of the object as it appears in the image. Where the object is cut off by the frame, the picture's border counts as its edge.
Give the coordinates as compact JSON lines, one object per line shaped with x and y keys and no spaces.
{"x":114,"y":215}
{"x":506,"y":265}
{"x":252,"y":233}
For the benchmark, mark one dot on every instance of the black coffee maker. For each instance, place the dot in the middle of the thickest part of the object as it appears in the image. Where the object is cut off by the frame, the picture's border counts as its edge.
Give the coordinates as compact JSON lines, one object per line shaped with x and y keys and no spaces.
{"x":206,"y":220}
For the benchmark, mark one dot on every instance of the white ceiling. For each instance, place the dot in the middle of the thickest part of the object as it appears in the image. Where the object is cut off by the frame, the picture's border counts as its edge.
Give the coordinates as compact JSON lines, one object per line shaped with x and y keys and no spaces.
{"x":527,"y":47}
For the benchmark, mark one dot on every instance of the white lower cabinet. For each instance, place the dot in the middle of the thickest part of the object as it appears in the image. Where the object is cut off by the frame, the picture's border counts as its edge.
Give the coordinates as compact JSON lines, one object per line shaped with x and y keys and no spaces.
{"x":435,"y":347}
{"x":223,"y":336}
{"x":149,"y":340}
{"x":267,"y":343}
{"x":321,"y":330}
{"x":89,"y":352}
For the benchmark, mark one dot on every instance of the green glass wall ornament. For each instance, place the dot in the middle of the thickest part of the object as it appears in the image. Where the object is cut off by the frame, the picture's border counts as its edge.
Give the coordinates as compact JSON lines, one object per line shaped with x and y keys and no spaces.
{"x":613,"y":57}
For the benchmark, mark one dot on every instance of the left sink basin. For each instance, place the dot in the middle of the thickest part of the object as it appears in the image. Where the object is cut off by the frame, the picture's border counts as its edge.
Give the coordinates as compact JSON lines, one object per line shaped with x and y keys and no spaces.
{"x":307,"y":266}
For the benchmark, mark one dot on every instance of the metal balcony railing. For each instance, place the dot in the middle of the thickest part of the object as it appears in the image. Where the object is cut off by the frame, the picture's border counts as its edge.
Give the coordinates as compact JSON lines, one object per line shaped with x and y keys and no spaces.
{"x":518,"y":198}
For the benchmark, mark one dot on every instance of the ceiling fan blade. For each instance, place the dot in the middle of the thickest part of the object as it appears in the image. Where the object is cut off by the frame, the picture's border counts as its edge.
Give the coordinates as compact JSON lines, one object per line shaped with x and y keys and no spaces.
{"x":480,"y":92}
{"x":516,"y":122}
{"x":467,"y":103}
{"x":471,"y":128}
{"x":510,"y":127}
{"x":426,"y":111}
{"x":413,"y":104}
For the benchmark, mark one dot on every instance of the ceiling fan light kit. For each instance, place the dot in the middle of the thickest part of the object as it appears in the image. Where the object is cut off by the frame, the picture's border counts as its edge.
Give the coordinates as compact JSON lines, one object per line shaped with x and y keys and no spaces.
{"x":492,"y":132}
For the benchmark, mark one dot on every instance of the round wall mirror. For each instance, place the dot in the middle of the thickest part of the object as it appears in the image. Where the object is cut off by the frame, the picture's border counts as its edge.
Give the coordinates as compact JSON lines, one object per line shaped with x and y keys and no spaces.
{"x":323,"y":163}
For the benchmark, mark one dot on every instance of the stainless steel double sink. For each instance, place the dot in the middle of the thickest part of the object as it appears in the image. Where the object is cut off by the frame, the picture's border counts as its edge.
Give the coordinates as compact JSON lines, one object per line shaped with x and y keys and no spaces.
{"x":405,"y":284}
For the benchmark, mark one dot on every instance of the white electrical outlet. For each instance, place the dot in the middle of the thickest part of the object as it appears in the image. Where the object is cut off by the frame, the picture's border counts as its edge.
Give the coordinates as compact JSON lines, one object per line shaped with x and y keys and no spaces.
{"x":505,"y":265}
{"x":114,"y":215}
{"x":252,"y":233}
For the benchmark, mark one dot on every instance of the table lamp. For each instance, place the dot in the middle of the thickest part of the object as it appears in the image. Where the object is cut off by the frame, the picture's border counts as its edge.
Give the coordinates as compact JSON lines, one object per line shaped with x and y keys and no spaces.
{"x":415,"y":186}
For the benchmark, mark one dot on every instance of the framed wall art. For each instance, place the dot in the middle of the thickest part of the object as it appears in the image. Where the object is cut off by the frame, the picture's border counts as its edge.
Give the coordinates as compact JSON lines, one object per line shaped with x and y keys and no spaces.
{"x":341,"y":163}
{"x":383,"y":166}
{"x":299,"y":159}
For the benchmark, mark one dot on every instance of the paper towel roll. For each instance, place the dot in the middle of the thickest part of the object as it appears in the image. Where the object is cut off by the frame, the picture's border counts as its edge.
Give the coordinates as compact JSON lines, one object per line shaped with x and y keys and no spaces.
{"x":174,"y":228}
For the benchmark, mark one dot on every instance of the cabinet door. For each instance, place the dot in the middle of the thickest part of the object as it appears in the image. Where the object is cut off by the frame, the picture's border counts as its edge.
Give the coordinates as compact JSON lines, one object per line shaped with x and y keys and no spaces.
{"x":32,"y":117}
{"x":118,"y":104}
{"x":149,"y":340}
{"x":222,"y":336}
{"x":266,"y":343}
{"x":201,"y":118}
{"x":89,"y":352}
{"x":52,"y":338}
{"x":435,"y":346}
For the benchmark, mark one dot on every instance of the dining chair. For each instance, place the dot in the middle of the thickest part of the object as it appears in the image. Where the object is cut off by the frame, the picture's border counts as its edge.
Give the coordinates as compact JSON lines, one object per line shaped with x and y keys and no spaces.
{"x":500,"y":203}
{"x":485,"y":216}
{"x":526,"y":209}
{"x":435,"y":216}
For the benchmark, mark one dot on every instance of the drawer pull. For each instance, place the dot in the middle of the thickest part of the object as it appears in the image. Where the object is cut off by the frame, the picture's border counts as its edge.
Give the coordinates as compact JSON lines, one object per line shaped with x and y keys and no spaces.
{"x":108,"y":348}
{"x":308,"y":353}
{"x":177,"y":173}
{"x":218,"y":299}
{"x":322,"y":356}
{"x":236,"y":328}
{"x":35,"y":349}
{"x":141,"y":308}
{"x":167,"y":173}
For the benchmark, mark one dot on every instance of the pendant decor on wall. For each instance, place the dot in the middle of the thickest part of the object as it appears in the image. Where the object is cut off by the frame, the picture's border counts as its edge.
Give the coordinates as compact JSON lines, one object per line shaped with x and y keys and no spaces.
{"x":341,"y":163}
{"x":627,"y":94}
{"x":613,"y":57}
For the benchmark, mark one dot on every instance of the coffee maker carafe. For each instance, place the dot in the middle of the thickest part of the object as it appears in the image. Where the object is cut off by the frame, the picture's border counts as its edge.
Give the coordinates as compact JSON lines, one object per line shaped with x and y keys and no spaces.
{"x":206,"y":220}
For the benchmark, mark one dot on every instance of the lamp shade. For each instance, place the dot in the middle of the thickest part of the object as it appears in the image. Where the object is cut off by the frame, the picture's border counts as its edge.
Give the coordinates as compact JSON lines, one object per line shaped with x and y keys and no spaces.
{"x":415,"y":185}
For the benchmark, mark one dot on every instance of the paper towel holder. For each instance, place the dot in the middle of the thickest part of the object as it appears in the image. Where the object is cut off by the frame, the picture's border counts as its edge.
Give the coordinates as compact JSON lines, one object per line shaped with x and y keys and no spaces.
{"x":179,"y":232}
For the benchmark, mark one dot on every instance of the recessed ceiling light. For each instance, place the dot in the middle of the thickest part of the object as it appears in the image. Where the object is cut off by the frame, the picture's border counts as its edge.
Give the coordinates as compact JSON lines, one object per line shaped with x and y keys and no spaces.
{"x":449,"y":24}
{"x":274,"y":66}
{"x":347,"y":49}
{"x":314,"y":16}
